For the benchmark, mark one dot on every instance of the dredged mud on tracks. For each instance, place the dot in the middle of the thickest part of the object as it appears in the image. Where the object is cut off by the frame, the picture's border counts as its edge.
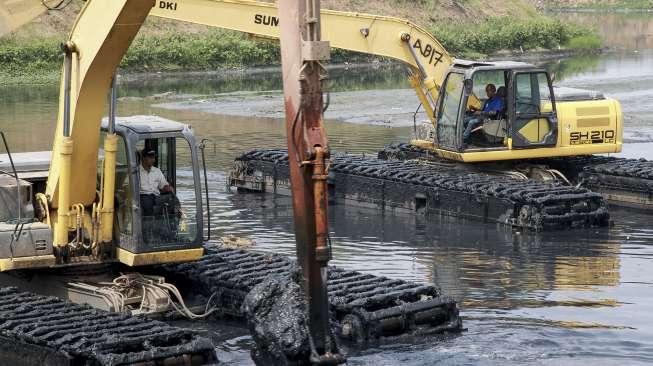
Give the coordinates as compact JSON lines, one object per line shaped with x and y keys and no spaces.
{"x":363,"y":307}
{"x":430,"y":187}
{"x":41,"y":330}
{"x":621,"y":181}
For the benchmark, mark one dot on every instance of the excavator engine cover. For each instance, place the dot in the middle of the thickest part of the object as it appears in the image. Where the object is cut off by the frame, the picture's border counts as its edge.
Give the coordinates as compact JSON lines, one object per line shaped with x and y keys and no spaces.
{"x":30,"y":239}
{"x":9,"y":199}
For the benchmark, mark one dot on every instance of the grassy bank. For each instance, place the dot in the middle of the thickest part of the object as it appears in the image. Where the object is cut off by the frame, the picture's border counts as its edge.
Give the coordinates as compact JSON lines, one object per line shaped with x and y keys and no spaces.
{"x":602,"y":5}
{"x":505,"y":33}
{"x":38,"y":60}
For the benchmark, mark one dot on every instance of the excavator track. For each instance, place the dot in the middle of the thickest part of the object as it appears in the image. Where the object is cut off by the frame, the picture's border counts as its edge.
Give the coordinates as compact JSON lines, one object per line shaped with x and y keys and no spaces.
{"x":40,"y":330}
{"x":434,"y":187}
{"x":363,"y":307}
{"x":623,"y":182}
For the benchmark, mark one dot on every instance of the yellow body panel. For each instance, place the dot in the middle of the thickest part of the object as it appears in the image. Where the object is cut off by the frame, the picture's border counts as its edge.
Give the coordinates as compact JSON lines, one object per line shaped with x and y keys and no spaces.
{"x":586,"y":122}
{"x":41,"y":261}
{"x":515,"y":154}
{"x":146,"y":259}
{"x":535,"y":129}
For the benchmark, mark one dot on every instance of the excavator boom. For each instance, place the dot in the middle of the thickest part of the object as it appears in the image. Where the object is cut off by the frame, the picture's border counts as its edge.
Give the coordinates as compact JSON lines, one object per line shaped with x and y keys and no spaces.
{"x":101,"y":35}
{"x":371,"y":34}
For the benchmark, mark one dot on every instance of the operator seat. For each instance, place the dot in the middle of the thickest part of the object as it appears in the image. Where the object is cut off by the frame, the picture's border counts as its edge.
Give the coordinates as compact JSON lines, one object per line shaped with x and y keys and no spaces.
{"x":495,"y":130}
{"x":501,"y":92}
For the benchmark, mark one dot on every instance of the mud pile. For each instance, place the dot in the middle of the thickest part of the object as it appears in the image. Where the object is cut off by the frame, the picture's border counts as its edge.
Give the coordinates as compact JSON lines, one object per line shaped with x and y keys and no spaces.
{"x":276,"y":315}
{"x":40,"y":330}
{"x":363,"y":307}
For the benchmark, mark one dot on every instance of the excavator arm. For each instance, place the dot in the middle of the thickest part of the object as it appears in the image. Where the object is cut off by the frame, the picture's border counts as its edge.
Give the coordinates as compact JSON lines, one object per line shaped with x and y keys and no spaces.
{"x":98,"y":40}
{"x":371,"y":34}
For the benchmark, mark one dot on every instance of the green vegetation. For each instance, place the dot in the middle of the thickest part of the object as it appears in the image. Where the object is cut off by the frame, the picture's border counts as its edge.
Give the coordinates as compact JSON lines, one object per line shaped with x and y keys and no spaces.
{"x":38,"y":61}
{"x":504,"y":33}
{"x":206,"y":51}
{"x":610,"y":5}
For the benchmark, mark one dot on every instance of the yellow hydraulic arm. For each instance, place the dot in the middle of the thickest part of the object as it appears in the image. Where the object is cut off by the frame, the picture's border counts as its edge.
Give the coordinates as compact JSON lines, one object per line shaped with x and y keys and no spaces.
{"x":372,"y":34}
{"x":99,"y":38}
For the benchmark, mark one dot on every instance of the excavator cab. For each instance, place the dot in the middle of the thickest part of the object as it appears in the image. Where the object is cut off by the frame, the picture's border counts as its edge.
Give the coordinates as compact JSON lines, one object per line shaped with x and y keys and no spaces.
{"x":526,"y":120}
{"x":168,"y":220}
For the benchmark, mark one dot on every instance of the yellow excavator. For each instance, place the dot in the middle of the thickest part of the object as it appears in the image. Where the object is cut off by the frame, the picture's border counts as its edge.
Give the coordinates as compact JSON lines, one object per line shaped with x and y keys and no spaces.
{"x":537,"y":121}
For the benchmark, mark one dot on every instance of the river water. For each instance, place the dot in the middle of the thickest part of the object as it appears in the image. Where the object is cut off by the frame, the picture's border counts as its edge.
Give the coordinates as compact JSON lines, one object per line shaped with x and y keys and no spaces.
{"x":561,"y":298}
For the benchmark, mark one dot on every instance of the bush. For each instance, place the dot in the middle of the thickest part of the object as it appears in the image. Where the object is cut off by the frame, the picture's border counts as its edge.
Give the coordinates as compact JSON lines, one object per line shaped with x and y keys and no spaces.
{"x":40,"y":59}
{"x":507,"y":33}
{"x":205,"y":51}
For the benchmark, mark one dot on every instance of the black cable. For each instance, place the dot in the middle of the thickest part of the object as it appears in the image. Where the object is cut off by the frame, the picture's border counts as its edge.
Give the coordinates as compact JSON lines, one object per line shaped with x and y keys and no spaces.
{"x":60,"y":5}
{"x":415,"y":119}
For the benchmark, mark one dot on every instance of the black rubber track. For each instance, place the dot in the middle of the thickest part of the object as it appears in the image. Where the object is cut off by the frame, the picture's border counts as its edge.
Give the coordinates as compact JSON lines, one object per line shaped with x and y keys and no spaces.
{"x":633,"y":175}
{"x":594,"y":172}
{"x":391,"y":183}
{"x":40,"y":330}
{"x":363,"y":307}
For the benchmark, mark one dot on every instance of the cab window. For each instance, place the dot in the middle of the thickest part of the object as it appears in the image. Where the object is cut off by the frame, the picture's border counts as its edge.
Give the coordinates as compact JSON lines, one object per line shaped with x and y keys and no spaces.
{"x":449,"y":110}
{"x":532,"y":94}
{"x":482,"y":78}
{"x":170,"y":216}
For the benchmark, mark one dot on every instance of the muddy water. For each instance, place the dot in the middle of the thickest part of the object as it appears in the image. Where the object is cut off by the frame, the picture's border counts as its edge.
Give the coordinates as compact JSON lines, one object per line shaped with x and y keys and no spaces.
{"x":557,"y":298}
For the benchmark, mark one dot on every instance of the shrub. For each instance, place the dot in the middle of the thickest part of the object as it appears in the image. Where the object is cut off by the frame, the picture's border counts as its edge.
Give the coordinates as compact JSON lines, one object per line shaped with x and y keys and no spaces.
{"x":506,"y":33}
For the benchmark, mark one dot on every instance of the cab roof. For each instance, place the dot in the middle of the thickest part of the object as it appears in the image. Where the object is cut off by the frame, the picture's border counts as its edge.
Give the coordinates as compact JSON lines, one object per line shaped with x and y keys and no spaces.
{"x":467,"y":64}
{"x":145,"y":124}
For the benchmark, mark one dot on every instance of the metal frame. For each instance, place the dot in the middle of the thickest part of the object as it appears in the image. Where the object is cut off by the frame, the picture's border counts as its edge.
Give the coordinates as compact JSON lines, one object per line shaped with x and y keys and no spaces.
{"x":131,"y":138}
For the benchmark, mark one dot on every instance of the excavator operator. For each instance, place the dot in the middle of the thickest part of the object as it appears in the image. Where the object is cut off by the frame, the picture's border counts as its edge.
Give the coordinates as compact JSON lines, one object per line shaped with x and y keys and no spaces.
{"x":492,"y":107}
{"x":160,"y":208}
{"x":153,"y":183}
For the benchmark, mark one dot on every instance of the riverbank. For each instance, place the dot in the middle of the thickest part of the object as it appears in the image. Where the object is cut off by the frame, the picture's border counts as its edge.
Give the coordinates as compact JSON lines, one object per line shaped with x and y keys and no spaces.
{"x":616,"y":6}
{"x":37,"y":60}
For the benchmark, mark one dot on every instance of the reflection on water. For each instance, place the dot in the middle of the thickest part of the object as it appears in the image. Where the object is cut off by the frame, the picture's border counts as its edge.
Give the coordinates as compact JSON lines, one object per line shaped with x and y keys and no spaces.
{"x":355,"y":77}
{"x":557,"y":298}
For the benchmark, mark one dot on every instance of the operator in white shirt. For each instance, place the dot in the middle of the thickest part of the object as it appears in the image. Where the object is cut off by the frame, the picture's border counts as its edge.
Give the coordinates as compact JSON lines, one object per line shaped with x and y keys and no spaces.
{"x":153,"y":183}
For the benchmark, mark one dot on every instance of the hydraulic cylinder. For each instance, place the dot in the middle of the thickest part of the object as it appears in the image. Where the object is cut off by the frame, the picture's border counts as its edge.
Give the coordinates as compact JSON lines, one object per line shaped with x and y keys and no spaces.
{"x":108,"y":193}
{"x":63,"y":211}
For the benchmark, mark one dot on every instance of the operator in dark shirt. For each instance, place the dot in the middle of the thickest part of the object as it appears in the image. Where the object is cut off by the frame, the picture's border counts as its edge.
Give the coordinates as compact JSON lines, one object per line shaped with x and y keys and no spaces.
{"x":492,"y":107}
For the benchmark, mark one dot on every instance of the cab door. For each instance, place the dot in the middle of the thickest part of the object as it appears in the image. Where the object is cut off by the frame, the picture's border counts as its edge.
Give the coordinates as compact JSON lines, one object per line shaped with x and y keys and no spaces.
{"x":448,"y":130}
{"x":532,"y":112}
